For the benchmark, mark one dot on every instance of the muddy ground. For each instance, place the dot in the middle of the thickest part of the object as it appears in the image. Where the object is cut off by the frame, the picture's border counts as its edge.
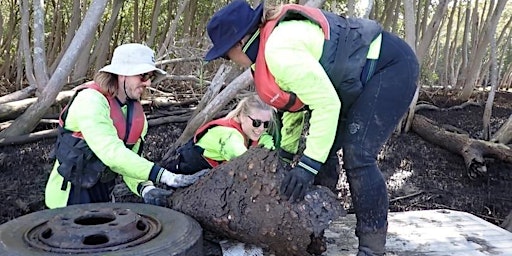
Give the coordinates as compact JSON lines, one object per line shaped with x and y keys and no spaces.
{"x":420,"y":175}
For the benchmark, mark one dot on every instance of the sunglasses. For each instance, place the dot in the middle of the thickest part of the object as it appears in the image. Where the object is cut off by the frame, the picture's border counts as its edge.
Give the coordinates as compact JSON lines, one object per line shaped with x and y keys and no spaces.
{"x":147,"y":76}
{"x":257,"y":123}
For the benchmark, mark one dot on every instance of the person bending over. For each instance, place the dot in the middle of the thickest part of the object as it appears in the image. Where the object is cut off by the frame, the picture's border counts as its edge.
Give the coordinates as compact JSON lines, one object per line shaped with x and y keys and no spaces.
{"x":356,"y":80}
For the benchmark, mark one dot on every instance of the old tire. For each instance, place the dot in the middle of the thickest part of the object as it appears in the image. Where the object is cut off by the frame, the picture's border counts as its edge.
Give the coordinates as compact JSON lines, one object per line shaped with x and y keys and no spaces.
{"x":178,"y":234}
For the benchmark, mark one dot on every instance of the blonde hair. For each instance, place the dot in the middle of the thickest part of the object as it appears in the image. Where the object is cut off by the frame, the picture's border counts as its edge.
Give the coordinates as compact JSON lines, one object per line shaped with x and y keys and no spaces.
{"x":254,"y":102}
{"x":247,"y":105}
{"x":107,"y":82}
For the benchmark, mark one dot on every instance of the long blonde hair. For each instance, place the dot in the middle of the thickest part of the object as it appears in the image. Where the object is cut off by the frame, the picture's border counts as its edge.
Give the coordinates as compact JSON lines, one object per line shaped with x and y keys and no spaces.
{"x":107,"y":82}
{"x":247,"y":104}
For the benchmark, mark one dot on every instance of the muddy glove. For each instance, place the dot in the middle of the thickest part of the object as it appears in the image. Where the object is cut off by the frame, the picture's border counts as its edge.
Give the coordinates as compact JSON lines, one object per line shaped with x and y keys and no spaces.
{"x":155,"y":196}
{"x":299,"y":179}
{"x":180,"y":180}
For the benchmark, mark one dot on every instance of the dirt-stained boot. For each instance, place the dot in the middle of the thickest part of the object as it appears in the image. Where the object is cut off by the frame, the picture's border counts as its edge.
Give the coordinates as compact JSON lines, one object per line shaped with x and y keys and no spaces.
{"x":372,"y":244}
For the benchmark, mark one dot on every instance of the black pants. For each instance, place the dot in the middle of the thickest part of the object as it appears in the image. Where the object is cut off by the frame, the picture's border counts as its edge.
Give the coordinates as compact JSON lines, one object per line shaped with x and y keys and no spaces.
{"x":189,"y":160}
{"x":99,"y":193}
{"x":369,"y":123}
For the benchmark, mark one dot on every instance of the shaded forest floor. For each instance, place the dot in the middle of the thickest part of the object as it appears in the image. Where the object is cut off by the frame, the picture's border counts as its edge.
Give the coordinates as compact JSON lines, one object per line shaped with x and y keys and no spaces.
{"x":420,"y":175}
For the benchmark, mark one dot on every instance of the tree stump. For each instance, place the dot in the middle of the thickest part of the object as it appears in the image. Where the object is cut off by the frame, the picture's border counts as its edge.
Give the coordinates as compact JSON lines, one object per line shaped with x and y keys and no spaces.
{"x":240,"y":200}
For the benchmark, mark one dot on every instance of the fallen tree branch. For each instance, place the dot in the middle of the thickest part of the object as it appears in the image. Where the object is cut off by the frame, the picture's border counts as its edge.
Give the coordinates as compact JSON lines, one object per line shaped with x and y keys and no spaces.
{"x":472,"y":150}
{"x":11,"y":110}
{"x":18,"y":95}
{"x":406,"y":196}
{"x":35,"y":136}
{"x":424,"y":106}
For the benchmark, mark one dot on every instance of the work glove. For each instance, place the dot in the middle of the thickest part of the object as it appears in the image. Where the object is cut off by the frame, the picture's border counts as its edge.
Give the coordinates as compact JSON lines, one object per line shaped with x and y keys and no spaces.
{"x":155,"y":196}
{"x":299,"y":179}
{"x":285,"y":159}
{"x":180,"y":180}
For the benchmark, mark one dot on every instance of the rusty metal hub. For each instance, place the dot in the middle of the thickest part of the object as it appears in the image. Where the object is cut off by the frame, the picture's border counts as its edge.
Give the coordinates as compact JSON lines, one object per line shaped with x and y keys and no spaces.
{"x":93,"y":230}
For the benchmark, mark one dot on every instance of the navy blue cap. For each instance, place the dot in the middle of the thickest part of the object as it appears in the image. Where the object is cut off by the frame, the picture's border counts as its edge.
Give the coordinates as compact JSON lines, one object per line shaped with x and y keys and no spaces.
{"x":230,"y":24}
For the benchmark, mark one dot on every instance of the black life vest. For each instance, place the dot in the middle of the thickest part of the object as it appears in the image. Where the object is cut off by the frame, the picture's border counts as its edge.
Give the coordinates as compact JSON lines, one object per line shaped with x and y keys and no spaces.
{"x":346,"y":45}
{"x":77,"y":163}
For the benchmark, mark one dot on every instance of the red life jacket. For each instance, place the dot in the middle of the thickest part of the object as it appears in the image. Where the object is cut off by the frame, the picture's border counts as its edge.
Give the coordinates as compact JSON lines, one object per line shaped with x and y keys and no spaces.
{"x":266,"y":85}
{"x":226,"y":122}
{"x":129,"y":129}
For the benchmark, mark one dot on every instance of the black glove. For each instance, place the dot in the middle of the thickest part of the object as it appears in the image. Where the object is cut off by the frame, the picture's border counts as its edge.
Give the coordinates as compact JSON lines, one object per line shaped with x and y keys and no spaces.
{"x":299,"y":179}
{"x":156,"y":196}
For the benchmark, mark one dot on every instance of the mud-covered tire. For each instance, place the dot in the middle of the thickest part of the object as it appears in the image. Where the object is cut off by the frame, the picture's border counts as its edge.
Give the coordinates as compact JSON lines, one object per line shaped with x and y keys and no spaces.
{"x":180,"y":235}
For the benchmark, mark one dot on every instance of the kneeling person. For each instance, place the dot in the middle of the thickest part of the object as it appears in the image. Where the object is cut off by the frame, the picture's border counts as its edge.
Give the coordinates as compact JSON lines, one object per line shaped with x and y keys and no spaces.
{"x":226,"y":138}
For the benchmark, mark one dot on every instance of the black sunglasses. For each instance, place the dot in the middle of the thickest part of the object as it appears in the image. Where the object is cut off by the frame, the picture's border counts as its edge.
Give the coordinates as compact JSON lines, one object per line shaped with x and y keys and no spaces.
{"x":147,"y":76}
{"x":257,"y":123}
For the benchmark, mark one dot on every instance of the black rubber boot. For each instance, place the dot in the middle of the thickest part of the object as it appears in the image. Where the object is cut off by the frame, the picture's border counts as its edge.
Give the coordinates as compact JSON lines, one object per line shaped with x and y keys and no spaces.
{"x":372,"y":244}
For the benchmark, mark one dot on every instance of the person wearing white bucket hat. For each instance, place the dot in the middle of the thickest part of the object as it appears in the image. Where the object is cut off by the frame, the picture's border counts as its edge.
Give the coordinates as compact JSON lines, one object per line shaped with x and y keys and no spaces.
{"x":101,"y":136}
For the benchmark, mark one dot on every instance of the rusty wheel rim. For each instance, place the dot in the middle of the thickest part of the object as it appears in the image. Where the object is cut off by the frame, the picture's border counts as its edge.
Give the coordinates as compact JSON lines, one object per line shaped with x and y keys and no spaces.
{"x":93,"y":230}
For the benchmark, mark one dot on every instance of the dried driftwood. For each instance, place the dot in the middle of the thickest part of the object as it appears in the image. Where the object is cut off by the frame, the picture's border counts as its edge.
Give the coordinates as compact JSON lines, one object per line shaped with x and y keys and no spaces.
{"x":240,"y":200}
{"x":472,"y":150}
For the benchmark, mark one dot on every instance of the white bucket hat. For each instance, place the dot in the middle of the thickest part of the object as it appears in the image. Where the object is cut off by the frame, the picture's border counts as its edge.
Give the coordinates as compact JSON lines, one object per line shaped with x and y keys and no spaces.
{"x":132,"y":59}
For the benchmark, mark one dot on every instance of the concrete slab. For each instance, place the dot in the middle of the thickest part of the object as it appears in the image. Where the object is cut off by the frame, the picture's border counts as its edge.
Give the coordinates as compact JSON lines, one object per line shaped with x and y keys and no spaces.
{"x":429,"y":232}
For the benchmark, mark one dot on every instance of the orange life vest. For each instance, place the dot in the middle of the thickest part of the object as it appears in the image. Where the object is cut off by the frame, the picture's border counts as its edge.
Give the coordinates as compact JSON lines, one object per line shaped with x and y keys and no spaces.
{"x":266,"y":85}
{"x":129,"y":129}
{"x":226,"y":122}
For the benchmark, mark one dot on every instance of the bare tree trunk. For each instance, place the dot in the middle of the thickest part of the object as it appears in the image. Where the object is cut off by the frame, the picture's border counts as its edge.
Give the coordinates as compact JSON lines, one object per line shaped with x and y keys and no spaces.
{"x":102,"y":47}
{"x":454,"y":63}
{"x":465,"y":47}
{"x":25,"y":43}
{"x":446,"y":51}
{"x":410,"y":38}
{"x":154,"y":22}
{"x":489,"y":27}
{"x":240,"y":199}
{"x":11,"y":32}
{"x":189,"y":21}
{"x":169,"y":41}
{"x":28,"y":121}
{"x":351,"y":8}
{"x":430,"y":31}
{"x":40,"y":66}
{"x":70,"y":33}
{"x":490,"y":100}
{"x":389,"y":14}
